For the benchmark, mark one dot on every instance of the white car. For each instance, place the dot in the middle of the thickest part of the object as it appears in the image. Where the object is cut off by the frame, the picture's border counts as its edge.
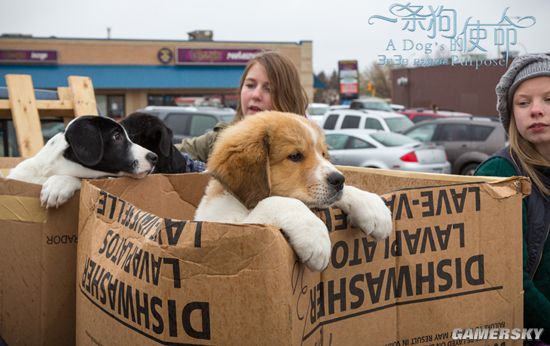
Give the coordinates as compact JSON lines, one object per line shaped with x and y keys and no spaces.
{"x":365,"y":119}
{"x":316,"y":111}
{"x":396,"y":107}
{"x":371,"y":103}
{"x":388,"y":150}
{"x":337,"y":107}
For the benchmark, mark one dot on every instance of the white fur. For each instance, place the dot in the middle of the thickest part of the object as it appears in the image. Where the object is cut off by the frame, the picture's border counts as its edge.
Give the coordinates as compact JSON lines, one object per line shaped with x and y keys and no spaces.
{"x":307,"y":234}
{"x":233,"y":210}
{"x":58,"y":189}
{"x":367,"y":211}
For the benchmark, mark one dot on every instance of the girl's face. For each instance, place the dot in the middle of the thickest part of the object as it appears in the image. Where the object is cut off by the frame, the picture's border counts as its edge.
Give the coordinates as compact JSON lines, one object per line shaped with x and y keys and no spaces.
{"x":531,"y":105}
{"x":256,"y":92}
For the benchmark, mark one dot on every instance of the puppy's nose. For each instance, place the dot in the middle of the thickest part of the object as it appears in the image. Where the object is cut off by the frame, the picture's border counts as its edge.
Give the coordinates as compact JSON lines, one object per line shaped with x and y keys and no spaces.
{"x":152,"y":158}
{"x":336,"y":180}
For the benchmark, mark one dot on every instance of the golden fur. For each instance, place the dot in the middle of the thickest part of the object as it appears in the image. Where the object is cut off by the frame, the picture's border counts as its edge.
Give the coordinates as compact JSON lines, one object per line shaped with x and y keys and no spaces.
{"x":271,"y":168}
{"x":253,"y":159}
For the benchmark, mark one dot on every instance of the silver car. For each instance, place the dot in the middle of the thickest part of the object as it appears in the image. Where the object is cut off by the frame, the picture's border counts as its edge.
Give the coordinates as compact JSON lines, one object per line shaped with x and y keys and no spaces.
{"x":190,"y":121}
{"x":468,"y":141}
{"x":388,"y":150}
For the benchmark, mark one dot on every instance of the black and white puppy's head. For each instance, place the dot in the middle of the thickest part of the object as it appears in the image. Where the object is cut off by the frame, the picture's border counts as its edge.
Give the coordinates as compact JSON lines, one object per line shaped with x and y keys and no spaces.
{"x":102,"y":144}
{"x":150,"y":132}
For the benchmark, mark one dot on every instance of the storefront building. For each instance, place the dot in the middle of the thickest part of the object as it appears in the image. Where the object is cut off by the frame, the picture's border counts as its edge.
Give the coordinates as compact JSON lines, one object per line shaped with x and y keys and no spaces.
{"x":131,"y":74}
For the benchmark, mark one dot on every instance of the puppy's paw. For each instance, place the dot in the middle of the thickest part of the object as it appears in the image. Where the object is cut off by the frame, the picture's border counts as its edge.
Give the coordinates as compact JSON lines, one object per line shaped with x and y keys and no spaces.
{"x":373,"y":216}
{"x":306,"y":233}
{"x":57,"y":190}
{"x":312,"y":244}
{"x":368,"y":212}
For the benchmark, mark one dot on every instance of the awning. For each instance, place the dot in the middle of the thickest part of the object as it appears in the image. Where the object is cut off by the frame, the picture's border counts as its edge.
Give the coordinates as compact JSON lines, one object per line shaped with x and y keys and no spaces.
{"x":131,"y":76}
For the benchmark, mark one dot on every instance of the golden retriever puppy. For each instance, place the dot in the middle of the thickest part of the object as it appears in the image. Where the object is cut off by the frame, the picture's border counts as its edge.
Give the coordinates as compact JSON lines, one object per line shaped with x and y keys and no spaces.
{"x":271,"y":168}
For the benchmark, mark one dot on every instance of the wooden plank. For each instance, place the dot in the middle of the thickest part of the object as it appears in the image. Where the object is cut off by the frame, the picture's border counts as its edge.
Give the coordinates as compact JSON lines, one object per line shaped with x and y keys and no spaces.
{"x":54,"y":105}
{"x":83,"y":96}
{"x":43,"y":105}
{"x":5,"y":105}
{"x":43,"y":114}
{"x":65,"y":94}
{"x":25,"y":114}
{"x":46,"y":109}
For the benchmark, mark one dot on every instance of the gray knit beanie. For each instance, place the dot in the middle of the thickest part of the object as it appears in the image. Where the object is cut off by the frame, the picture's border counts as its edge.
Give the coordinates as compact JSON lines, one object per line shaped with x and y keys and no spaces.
{"x":521,"y":69}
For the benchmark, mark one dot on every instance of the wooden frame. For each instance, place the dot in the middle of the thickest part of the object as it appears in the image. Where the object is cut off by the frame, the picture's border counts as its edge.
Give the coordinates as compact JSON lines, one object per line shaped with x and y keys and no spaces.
{"x":76,"y":100}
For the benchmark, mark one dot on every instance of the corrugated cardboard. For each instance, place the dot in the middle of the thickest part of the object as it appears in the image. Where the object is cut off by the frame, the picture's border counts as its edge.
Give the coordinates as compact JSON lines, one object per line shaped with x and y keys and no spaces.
{"x":146,"y":277}
{"x":6,"y":163}
{"x":37,"y":270}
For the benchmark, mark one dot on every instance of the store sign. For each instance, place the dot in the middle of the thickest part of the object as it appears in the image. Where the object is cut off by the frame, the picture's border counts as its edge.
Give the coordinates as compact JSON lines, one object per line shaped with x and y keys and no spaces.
{"x":28,"y":56}
{"x":349,"y":88}
{"x":199,"y":56}
{"x":348,"y":73}
{"x":165,"y":55}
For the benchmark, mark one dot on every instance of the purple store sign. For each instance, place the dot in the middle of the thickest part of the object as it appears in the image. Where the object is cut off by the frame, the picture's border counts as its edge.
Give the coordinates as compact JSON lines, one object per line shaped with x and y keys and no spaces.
{"x":188,"y":56}
{"x":28,"y":56}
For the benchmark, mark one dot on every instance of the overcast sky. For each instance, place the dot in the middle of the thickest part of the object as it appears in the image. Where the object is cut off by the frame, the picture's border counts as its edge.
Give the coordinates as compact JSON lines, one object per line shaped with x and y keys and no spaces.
{"x":339,"y":30}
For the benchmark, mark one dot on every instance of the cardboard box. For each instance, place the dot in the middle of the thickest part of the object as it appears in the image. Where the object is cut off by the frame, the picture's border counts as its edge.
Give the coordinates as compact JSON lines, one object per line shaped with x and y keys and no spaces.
{"x":146,"y":276}
{"x":7,"y":163}
{"x":38,"y":266}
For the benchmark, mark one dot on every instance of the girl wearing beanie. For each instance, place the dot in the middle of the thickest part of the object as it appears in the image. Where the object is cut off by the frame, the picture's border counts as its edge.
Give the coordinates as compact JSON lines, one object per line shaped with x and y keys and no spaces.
{"x":523,"y":104}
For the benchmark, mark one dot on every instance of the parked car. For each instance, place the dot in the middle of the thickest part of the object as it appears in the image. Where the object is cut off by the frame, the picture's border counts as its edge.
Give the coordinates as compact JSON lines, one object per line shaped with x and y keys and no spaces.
{"x":190,"y":121}
{"x":317,"y":108}
{"x":372,"y":103}
{"x":316,"y":111}
{"x":396,"y":107}
{"x":365,"y":119}
{"x":50,"y":125}
{"x":467,"y":141}
{"x":380,"y":149}
{"x":419,"y":114}
{"x":337,"y":107}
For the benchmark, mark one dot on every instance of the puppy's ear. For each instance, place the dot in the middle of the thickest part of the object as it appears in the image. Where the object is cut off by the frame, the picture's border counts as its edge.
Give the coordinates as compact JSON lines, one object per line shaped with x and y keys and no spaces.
{"x":85,"y":139}
{"x":163,"y":136}
{"x":240,"y":161}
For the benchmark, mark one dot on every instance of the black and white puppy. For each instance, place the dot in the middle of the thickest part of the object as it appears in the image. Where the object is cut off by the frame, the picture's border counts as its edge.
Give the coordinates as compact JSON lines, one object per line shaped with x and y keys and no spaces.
{"x":150,"y":132}
{"x":90,"y":147}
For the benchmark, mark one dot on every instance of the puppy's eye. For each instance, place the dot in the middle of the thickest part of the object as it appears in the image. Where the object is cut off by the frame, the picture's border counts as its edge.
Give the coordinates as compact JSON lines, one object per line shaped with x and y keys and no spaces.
{"x":117,"y":136}
{"x":296,"y":157}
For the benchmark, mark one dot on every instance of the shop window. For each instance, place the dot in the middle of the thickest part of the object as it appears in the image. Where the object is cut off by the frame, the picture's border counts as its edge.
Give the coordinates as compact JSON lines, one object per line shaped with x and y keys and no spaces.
{"x":111,"y":105}
{"x":161,"y":100}
{"x":214,"y":100}
{"x":115,"y":106}
{"x":101,"y":101}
